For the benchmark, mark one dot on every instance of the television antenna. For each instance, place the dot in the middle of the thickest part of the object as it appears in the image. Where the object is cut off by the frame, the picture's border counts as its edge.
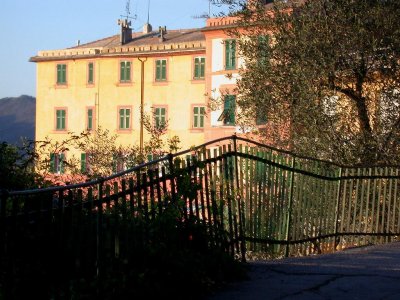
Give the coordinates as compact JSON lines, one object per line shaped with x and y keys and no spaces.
{"x":128,"y":11}
{"x":148,"y":12}
{"x":204,"y":15}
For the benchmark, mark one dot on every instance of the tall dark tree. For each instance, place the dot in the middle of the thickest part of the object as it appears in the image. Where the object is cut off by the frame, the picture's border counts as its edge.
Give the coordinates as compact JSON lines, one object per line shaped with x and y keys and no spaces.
{"x":328,"y":68}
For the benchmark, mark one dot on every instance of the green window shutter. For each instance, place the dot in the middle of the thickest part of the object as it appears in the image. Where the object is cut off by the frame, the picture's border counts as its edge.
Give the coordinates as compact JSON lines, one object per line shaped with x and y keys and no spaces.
{"x":162,"y":116}
{"x":233,"y":54}
{"x":199,"y":67}
{"x":114,"y":164}
{"x":195,"y":116}
{"x":227,"y":55}
{"x":230,"y":54}
{"x":202,"y":67}
{"x":58,"y":73}
{"x":121,"y":118}
{"x":61,"y":159}
{"x":124,"y":118}
{"x":63,"y":119}
{"x":127,"y":118}
{"x":83,"y":162}
{"x":60,"y":119}
{"x":164,"y":69}
{"x":61,"y":73}
{"x":90,"y":75}
{"x":158,"y":70}
{"x":202,"y":113}
{"x":64,"y":73}
{"x":196,"y":68}
{"x":158,"y":117}
{"x":128,"y":71}
{"x":198,"y":116}
{"x":52,"y":163}
{"x":263,"y":44}
{"x":261,"y":118}
{"x":90,"y":119}
{"x":122,"y":71}
{"x":229,"y":109}
{"x":161,"y":69}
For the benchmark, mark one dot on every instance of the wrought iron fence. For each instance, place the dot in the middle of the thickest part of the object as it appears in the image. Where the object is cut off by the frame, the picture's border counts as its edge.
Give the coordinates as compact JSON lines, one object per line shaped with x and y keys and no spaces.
{"x":253,"y":199}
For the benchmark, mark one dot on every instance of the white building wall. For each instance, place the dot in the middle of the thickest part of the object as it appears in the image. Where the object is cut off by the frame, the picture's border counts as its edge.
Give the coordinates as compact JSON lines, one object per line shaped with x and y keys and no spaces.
{"x":219,"y":77}
{"x":217,"y":55}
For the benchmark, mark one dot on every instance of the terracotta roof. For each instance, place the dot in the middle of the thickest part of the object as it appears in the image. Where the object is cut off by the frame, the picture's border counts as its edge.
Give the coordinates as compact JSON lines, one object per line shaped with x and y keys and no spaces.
{"x":140,"y":39}
{"x":174,"y":41}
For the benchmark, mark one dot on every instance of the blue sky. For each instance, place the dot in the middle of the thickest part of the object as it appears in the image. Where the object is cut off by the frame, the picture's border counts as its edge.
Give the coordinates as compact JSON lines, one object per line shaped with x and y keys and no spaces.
{"x":28,"y":26}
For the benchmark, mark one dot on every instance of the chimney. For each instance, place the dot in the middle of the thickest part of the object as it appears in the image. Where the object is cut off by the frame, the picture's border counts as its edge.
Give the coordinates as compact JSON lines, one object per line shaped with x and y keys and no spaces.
{"x":126,"y":31}
{"x":147,"y":28}
{"x":162,"y":31}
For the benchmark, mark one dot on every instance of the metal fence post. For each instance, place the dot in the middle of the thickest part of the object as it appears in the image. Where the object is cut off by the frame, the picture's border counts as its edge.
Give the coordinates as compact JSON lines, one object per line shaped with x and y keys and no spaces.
{"x":239,"y":198}
{"x":3,"y":198}
{"x":337,"y":208}
{"x":99,"y":224}
{"x":289,"y":209}
{"x":172,"y":176}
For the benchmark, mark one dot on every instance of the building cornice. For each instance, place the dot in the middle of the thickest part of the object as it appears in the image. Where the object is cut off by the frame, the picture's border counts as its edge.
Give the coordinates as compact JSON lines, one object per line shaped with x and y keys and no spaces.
{"x":145,"y":50}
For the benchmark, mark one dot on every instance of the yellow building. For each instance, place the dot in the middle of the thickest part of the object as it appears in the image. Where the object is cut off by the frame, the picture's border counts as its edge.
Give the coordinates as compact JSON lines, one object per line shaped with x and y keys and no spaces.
{"x":105,"y":82}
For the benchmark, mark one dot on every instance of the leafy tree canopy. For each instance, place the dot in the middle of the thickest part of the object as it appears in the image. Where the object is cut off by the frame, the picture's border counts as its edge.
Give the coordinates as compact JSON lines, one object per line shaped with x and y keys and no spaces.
{"x":328,"y":68}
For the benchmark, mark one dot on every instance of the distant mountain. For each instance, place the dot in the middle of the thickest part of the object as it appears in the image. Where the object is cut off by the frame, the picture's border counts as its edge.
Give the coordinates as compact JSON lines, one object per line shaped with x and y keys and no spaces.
{"x":17,"y":118}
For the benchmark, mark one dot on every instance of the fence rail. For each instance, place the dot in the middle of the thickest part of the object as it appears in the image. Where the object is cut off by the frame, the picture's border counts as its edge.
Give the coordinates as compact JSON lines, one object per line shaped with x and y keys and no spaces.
{"x":252,"y":198}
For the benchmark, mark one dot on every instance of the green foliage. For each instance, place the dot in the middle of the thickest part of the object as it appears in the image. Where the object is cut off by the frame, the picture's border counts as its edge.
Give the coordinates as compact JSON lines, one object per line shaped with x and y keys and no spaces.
{"x":103,"y":155}
{"x":333,"y":76}
{"x":178,"y":259}
{"x":16,"y":167}
{"x":73,"y":255}
{"x":155,"y":144}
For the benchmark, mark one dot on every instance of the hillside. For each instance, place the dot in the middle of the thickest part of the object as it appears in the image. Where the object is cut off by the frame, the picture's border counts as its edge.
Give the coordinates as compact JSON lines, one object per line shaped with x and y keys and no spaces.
{"x":17,"y":118}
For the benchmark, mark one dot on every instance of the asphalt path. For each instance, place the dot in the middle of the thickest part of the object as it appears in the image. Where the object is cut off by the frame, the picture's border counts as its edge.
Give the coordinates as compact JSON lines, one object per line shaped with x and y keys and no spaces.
{"x":371,"y":272}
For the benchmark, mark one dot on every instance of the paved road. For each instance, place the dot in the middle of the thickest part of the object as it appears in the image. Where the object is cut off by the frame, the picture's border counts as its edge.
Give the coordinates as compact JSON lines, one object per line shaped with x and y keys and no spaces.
{"x":360,"y":273}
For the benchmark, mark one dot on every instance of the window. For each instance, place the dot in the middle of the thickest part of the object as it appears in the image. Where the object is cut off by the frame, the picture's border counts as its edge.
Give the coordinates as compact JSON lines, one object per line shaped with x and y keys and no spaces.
{"x":57,"y":163}
{"x":124,"y":118}
{"x":90,"y":73}
{"x":60,"y":119}
{"x":263,"y":2}
{"x":61,"y":74}
{"x":261,"y":117}
{"x":83,"y":163}
{"x":89,"y":119}
{"x":199,"y":67}
{"x":161,"y":70}
{"x":125,"y":71}
{"x":159,"y":116}
{"x":230,"y":54}
{"x":117,"y":163}
{"x":152,"y":156}
{"x":228,"y":114}
{"x":263,"y":47}
{"x":198,"y":116}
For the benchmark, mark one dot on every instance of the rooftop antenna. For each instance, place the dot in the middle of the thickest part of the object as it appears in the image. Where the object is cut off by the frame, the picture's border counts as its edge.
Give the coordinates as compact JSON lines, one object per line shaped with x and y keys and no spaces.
{"x":128,"y":11}
{"x":148,"y":12}
{"x":126,"y":30}
{"x":204,"y":15}
{"x":147,"y":27}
